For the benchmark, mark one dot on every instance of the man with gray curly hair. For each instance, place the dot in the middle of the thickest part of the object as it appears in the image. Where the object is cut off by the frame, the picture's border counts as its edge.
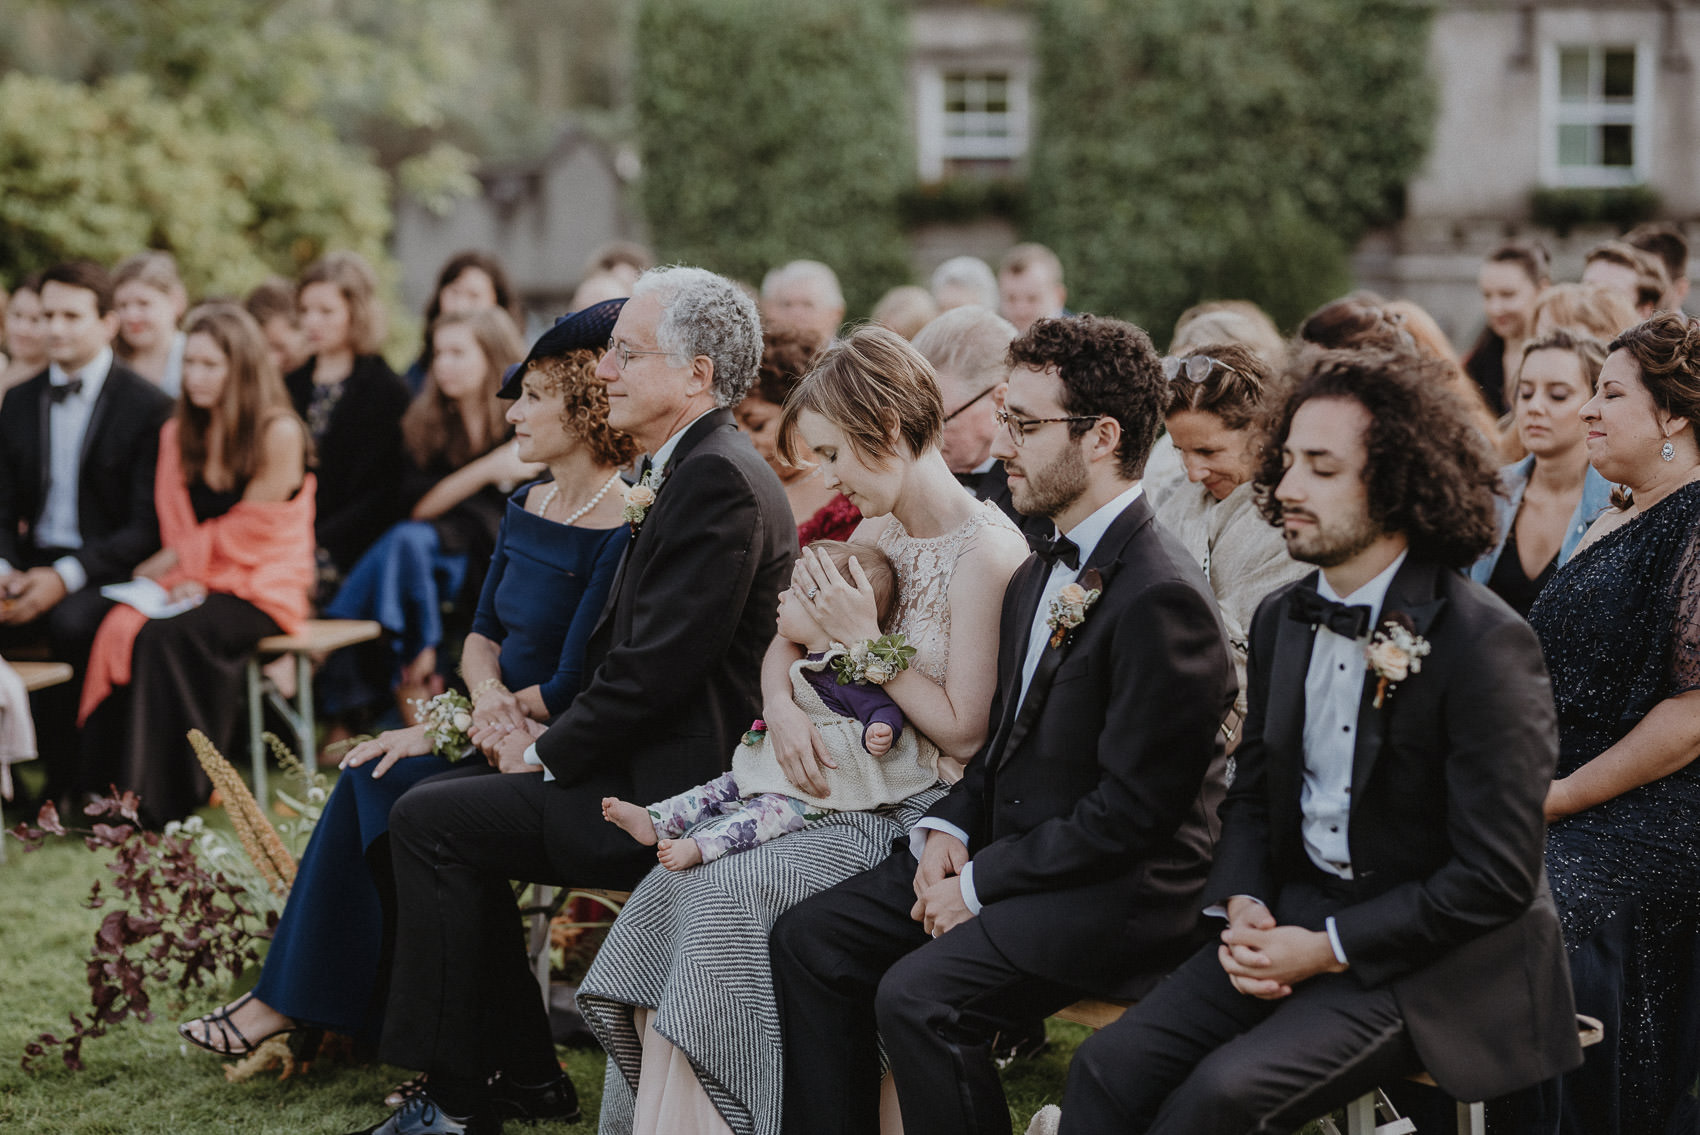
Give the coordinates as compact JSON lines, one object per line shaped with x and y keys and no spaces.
{"x":702,"y":315}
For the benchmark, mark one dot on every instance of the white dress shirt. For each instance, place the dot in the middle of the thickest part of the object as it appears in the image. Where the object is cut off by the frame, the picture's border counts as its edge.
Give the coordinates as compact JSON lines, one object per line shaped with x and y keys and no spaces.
{"x":1085,"y":535}
{"x":60,"y":525}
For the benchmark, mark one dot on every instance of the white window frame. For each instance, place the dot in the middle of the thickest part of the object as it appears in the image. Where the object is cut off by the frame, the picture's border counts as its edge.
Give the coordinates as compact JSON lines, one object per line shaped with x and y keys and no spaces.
{"x":935,"y":147}
{"x":1638,"y":116}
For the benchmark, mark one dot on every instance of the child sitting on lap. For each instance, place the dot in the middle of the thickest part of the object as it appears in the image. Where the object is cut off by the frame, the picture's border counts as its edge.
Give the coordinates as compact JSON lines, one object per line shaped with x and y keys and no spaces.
{"x":754,"y":802}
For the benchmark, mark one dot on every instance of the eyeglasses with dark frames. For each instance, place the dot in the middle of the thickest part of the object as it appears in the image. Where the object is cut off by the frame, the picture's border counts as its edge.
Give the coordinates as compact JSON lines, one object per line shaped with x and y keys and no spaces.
{"x":1018,"y":427}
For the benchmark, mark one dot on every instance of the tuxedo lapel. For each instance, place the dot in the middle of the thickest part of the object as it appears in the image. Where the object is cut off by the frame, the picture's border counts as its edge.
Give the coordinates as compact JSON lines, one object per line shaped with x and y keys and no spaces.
{"x":1411,"y":593}
{"x":97,"y":414}
{"x":1284,"y":712}
{"x":1030,"y":577}
{"x":44,"y":443}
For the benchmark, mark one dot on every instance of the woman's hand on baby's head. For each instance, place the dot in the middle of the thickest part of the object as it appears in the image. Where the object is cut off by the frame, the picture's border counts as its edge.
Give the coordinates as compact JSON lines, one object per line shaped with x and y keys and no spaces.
{"x":877,"y":739}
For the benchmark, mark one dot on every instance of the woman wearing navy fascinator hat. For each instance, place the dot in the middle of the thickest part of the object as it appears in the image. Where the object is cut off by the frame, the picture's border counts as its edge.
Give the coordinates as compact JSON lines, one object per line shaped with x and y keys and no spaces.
{"x":556,"y":555}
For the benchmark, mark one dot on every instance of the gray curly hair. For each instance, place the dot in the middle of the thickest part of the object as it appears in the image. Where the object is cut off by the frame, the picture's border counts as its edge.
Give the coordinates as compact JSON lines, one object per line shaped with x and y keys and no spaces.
{"x":706,"y":314}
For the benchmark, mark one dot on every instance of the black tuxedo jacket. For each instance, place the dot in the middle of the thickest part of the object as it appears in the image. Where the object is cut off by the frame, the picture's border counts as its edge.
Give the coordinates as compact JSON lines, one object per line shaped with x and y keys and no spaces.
{"x":1450,"y":905}
{"x":675,"y":661}
{"x":1091,"y":812}
{"x":115,"y":510}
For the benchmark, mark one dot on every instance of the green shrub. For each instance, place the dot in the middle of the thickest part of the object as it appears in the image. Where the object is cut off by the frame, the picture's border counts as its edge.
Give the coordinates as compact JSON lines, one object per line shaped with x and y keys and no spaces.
{"x":774,"y":130}
{"x":1564,"y":209}
{"x":1208,"y":149}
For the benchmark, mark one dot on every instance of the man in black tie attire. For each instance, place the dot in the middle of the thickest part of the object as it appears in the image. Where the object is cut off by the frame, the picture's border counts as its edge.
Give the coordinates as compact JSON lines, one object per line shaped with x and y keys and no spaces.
{"x":1380,"y":867}
{"x":675,"y":667}
{"x":1070,"y":858}
{"x":78,"y":445}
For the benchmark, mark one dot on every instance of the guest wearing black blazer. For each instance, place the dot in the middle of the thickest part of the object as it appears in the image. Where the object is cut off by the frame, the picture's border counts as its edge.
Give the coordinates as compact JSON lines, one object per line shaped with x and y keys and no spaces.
{"x":1070,"y":858}
{"x":1380,"y":865}
{"x":675,"y":668}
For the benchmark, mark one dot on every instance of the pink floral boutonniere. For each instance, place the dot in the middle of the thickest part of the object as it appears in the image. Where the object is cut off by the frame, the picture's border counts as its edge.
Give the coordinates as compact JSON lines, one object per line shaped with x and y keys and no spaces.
{"x":639,"y":498}
{"x":1394,"y":653}
{"x":1068,"y":609}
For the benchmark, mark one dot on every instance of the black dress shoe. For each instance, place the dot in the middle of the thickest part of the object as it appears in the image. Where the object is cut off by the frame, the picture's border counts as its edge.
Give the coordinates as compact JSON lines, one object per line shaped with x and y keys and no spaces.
{"x":421,"y":1115}
{"x":557,"y":1099}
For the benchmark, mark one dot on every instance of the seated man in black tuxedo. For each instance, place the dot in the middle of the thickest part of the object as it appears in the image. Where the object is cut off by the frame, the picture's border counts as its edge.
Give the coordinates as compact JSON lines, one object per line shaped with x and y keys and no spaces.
{"x":78,"y":444}
{"x":969,"y":350}
{"x":1380,"y":866}
{"x":675,"y":668}
{"x":1071,"y":857}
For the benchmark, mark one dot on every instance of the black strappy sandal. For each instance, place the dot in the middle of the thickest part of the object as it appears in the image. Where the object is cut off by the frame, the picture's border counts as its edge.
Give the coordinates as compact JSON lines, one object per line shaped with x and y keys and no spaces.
{"x":407,"y":1089}
{"x":218,"y":1026}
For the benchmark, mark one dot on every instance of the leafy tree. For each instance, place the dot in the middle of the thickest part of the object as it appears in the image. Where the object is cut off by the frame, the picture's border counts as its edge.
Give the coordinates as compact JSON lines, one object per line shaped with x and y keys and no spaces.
{"x":1209,"y":149}
{"x":773,"y":130}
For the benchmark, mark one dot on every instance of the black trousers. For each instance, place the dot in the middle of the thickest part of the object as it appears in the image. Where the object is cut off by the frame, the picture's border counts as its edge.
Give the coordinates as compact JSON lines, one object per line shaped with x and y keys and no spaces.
{"x":1199,"y":1057}
{"x":463,"y":1001}
{"x":851,"y":967}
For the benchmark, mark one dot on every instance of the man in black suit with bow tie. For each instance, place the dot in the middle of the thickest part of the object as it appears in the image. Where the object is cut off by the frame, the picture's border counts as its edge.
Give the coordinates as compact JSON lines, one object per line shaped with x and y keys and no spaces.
{"x":1380,"y":867}
{"x":1070,"y":858}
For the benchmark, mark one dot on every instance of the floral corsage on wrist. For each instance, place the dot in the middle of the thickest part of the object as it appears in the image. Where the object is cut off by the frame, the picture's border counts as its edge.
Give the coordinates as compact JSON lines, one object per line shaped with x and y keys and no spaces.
{"x":1068,"y":609}
{"x":875,"y":660}
{"x":448,"y":723}
{"x":1394,"y":653}
{"x":640,"y":497}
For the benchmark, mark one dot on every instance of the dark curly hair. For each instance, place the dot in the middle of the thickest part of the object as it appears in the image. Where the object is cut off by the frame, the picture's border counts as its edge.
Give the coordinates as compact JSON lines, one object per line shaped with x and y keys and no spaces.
{"x":786,"y":356}
{"x":1107,"y":368}
{"x":1430,"y":473}
{"x":584,"y":404}
{"x":1234,"y":391}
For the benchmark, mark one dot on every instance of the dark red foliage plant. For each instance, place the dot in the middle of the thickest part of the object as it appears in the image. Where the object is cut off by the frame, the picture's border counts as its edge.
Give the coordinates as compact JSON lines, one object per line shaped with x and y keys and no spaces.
{"x":172,"y":921}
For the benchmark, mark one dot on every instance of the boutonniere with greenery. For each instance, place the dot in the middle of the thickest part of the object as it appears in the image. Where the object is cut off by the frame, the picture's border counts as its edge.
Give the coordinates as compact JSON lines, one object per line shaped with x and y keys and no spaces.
{"x":640,"y":497}
{"x":448,"y":723}
{"x":875,"y":660}
{"x":1394,"y":653}
{"x":1068,"y":609}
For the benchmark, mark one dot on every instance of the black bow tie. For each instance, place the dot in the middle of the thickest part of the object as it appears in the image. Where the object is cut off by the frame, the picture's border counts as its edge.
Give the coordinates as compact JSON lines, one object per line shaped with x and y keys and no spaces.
{"x":969,"y":481}
{"x":1307,"y":606}
{"x":1051,"y":551}
{"x":59,"y":392}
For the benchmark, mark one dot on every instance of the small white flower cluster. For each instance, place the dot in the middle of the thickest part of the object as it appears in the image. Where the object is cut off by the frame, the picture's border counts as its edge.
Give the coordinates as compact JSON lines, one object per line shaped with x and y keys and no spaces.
{"x":1393,"y":654}
{"x":640,"y":497}
{"x":448,"y":721}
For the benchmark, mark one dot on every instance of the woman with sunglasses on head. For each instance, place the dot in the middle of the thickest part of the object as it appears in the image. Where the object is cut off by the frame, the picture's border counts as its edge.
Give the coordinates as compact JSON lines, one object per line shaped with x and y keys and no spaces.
{"x":1216,"y":394}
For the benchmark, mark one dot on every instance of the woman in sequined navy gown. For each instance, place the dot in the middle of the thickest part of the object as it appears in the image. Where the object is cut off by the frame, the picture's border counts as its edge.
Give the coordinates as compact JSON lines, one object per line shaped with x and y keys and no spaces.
{"x":1620,"y":625}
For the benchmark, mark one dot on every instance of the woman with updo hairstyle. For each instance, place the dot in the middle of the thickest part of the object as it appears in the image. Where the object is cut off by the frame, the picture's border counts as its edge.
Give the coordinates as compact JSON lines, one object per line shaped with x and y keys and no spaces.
{"x":1553,"y":495}
{"x":235,"y":507}
{"x":1510,"y":278}
{"x":352,"y":403}
{"x":1583,"y":309}
{"x":1620,"y":626}
{"x":149,"y":298}
{"x":1216,"y":397}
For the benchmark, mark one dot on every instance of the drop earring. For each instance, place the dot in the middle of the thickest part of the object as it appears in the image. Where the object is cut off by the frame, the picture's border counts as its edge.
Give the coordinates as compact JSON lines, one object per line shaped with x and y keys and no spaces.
{"x":1667,"y":451}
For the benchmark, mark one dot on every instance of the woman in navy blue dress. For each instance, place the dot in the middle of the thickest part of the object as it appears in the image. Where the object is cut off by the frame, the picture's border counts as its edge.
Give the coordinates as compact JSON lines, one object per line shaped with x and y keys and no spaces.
{"x":556,"y":556}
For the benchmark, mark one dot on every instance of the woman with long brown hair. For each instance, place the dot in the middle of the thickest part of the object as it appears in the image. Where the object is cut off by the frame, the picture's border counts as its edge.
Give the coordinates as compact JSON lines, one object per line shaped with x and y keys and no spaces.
{"x":235,"y":506}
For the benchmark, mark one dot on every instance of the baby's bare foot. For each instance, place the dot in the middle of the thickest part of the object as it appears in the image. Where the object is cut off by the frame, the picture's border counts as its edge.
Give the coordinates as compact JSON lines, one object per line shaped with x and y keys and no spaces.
{"x":678,"y":854}
{"x":632,"y":820}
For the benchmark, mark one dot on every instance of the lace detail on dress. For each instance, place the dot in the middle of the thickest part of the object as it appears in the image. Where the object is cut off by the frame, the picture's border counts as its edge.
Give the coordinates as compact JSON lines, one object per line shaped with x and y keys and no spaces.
{"x":924,"y":568}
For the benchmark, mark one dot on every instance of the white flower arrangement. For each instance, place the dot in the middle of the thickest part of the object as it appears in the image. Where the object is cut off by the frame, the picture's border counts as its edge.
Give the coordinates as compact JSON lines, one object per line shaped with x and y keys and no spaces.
{"x":1068,"y":609}
{"x":640,"y":497}
{"x":874,"y":660}
{"x":1393,"y":654}
{"x":448,"y":721}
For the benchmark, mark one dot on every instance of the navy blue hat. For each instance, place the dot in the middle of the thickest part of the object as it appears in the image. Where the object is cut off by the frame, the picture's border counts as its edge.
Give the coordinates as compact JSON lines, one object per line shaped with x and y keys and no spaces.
{"x":586,"y":330}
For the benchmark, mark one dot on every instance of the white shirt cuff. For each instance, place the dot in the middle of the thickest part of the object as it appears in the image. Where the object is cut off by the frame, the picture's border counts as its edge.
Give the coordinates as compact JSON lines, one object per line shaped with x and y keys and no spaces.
{"x":970,"y":897}
{"x":531,"y":758}
{"x":1334,"y":941}
{"x":71,"y":572}
{"x":918,"y":834}
{"x":1220,"y":910}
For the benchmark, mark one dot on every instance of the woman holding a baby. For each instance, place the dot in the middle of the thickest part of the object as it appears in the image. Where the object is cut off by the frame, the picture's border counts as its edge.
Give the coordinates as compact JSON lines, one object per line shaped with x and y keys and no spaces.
{"x":839,"y":769}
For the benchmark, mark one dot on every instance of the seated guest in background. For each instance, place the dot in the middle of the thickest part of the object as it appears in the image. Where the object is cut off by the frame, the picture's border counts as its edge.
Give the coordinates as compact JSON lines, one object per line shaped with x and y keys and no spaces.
{"x":964,"y":280}
{"x":821,"y":513}
{"x":459,"y":473}
{"x":1511,"y":278}
{"x":1639,"y":276}
{"x":470,"y":282}
{"x":1380,"y":859}
{"x":26,"y":334}
{"x":352,"y":403}
{"x":272,"y":305}
{"x":969,"y":349}
{"x":1213,"y":402}
{"x":803,"y":296}
{"x":625,"y":260}
{"x":1554,"y":494}
{"x":905,"y":310}
{"x":524,"y":660}
{"x":150,"y":300}
{"x":600,"y":288}
{"x":1030,"y":286}
{"x":78,"y":445}
{"x":1665,"y":241}
{"x":235,"y":507}
{"x":674,"y":673}
{"x":1583,"y":309}
{"x":1069,"y":859}
{"x":1621,"y":631}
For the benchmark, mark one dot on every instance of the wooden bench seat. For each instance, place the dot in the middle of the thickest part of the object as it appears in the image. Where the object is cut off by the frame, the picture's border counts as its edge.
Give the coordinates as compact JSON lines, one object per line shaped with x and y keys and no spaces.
{"x":318,"y":638}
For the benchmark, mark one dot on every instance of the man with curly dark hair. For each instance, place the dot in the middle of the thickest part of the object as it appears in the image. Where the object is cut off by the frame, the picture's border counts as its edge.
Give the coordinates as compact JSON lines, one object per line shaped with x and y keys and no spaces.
{"x":1380,"y":866}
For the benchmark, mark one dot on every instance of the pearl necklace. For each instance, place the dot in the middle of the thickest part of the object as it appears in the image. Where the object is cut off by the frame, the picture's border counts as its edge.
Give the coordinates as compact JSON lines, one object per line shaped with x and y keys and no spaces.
{"x":555,"y":488}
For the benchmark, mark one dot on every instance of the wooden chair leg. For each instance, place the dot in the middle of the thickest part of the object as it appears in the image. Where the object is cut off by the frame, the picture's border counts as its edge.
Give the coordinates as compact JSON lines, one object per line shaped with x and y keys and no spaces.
{"x":256,"y":726}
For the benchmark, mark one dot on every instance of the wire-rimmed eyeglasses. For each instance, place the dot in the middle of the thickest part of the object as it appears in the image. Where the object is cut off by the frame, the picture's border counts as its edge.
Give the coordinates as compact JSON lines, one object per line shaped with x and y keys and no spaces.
{"x":1196,"y":368}
{"x":623,"y":354}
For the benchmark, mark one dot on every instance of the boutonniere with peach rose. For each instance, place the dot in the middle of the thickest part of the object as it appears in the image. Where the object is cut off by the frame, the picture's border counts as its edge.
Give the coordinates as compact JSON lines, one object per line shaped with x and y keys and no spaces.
{"x":1394,"y":653}
{"x":1068,"y":609}
{"x":640,"y":497}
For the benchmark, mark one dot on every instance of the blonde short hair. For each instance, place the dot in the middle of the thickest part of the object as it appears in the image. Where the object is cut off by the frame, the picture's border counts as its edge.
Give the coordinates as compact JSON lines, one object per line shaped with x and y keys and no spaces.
{"x":875,"y":387}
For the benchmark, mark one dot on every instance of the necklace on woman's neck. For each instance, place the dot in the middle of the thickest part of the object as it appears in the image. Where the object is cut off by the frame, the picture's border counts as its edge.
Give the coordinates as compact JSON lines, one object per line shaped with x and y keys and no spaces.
{"x":549,"y":499}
